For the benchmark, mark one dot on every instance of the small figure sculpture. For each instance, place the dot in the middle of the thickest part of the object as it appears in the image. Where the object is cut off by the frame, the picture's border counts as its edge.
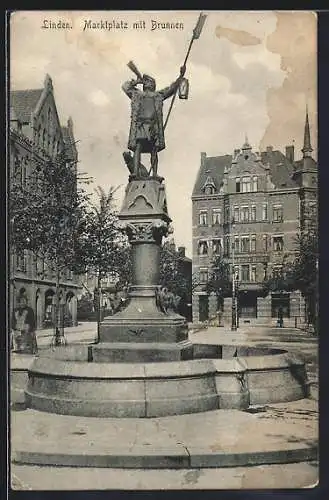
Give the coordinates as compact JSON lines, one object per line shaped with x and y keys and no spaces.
{"x":166,"y":301}
{"x":142,"y":171}
{"x":23,"y":326}
{"x":146,"y":129}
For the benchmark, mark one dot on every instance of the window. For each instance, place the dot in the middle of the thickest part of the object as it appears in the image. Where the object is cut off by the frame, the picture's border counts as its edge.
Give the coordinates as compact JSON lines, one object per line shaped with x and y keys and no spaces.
{"x":203,"y":218}
{"x":246,"y":184}
{"x":21,"y":261}
{"x":255,"y":184}
{"x":253,"y":274}
{"x":245,"y":272}
{"x":245,"y":244}
{"x":237,"y":185}
{"x":276,"y":271}
{"x":265,"y":272}
{"x":253,"y":213}
{"x":236,"y":214}
{"x":209,"y":189}
{"x":244,"y":214}
{"x":227,"y":214}
{"x":277,"y":213}
{"x":217,"y":247}
{"x":265,"y":243}
{"x":236,"y":244}
{"x":216,"y":216}
{"x":264,"y":212}
{"x":277,"y":243}
{"x":226,"y":245}
{"x":203,"y":248}
{"x":203,"y":275}
{"x":253,"y":243}
{"x":236,"y":272}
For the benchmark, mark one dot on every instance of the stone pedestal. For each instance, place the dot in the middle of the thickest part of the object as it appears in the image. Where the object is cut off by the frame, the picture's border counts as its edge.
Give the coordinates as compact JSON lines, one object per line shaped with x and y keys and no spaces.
{"x":143,"y":332}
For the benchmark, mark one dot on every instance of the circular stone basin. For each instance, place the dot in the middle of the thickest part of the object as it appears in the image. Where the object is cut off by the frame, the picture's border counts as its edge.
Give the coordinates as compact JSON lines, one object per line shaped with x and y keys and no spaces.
{"x":65,"y":380}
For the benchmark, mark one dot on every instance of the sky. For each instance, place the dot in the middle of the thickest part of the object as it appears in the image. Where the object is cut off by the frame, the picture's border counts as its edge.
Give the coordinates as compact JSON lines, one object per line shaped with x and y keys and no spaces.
{"x":250,"y":73}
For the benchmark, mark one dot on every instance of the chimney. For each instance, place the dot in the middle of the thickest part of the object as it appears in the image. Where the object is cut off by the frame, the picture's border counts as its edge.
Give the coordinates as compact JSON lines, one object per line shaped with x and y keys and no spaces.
{"x":290,"y":153}
{"x":181,"y":251}
{"x":269,"y":149}
{"x":203,"y":158}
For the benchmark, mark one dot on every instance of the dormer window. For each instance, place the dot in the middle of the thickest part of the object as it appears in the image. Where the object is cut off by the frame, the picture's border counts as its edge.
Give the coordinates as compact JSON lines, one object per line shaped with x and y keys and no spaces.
{"x":209,"y":186}
{"x":209,"y":190}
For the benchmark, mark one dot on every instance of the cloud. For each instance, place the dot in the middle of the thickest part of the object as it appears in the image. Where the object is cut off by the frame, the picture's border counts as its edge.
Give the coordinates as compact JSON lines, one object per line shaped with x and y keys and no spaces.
{"x":259,"y":89}
{"x":239,"y":37}
{"x":295,"y":41}
{"x":99,"y":98}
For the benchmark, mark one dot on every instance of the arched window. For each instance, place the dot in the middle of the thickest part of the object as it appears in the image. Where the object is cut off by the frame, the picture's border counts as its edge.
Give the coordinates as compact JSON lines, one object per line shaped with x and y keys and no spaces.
{"x":209,"y":189}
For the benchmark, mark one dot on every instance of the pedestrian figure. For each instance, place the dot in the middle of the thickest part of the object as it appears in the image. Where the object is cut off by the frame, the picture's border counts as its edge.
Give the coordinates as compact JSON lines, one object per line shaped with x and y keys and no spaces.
{"x":280,"y":317}
{"x":23,"y":337}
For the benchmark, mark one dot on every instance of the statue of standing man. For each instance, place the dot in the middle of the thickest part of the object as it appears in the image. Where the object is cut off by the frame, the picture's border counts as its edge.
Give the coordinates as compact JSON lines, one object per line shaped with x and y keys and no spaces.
{"x":146,"y":129}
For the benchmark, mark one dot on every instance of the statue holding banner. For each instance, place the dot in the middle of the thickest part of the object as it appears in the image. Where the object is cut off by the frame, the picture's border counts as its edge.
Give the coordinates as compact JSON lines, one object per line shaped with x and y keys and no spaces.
{"x":146,"y":129}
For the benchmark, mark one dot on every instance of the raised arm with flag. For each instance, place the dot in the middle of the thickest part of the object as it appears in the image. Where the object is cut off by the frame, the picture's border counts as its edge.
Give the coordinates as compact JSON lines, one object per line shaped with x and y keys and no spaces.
{"x":196,"y":35}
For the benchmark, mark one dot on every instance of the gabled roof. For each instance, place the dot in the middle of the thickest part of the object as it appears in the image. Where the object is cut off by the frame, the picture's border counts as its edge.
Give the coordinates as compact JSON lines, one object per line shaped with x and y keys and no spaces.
{"x":281,"y":169}
{"x":213,"y":167}
{"x":23,"y":102}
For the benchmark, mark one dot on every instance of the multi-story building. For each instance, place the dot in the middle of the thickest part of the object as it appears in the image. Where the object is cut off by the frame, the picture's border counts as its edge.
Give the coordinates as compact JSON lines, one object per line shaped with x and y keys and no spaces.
{"x":184,"y":269}
{"x":248,"y":208}
{"x":35,"y":133}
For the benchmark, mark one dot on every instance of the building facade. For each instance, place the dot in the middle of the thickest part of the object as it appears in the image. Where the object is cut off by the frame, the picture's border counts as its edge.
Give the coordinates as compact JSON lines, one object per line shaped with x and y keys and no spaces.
{"x":35,"y":132}
{"x":248,"y":208}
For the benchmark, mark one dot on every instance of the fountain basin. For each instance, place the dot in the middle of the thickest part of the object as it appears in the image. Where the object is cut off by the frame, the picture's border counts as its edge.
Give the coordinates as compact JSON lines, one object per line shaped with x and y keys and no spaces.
{"x":67,"y":381}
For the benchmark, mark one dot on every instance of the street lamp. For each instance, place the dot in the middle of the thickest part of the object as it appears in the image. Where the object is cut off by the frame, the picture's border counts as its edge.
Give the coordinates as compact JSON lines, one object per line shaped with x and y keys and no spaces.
{"x":237,"y":299}
{"x":234,"y":308}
